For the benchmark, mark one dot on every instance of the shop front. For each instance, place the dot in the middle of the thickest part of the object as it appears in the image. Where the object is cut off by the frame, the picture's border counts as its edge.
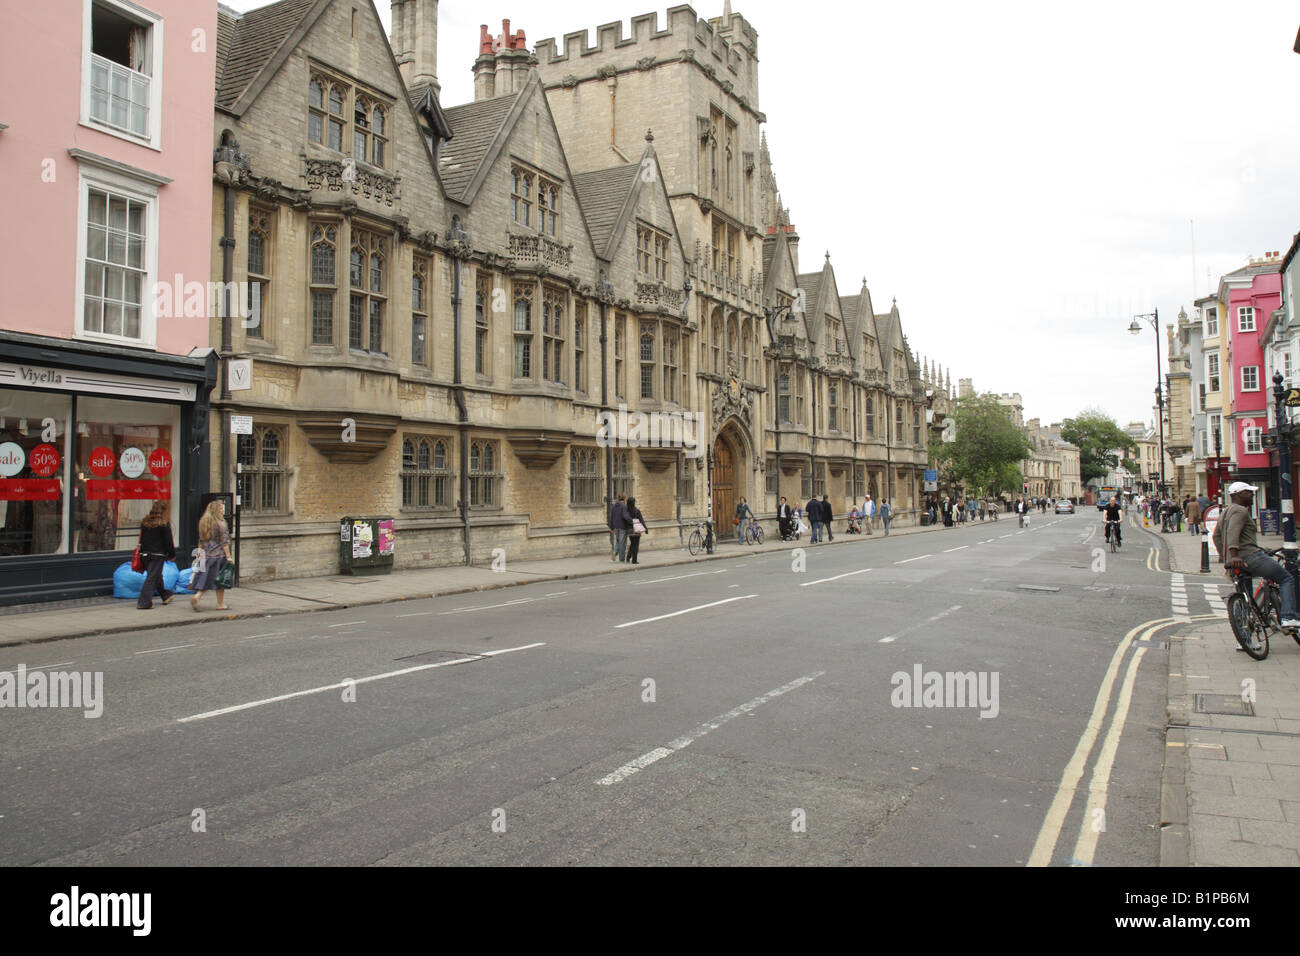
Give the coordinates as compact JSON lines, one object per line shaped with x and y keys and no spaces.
{"x":90,"y":437}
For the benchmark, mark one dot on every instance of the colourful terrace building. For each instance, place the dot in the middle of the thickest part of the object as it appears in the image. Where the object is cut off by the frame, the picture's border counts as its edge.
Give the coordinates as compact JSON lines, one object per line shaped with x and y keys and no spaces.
{"x":1250,"y":294}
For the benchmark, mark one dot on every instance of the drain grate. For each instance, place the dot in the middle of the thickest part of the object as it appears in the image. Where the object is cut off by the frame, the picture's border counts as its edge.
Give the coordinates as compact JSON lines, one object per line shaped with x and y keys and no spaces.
{"x":1225,"y":704}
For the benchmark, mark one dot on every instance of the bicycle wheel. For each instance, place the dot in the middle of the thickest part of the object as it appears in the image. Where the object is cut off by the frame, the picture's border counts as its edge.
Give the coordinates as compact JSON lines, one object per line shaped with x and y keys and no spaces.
{"x":696,"y":542}
{"x":1273,"y":609}
{"x":758,"y":535}
{"x":1251,"y":633}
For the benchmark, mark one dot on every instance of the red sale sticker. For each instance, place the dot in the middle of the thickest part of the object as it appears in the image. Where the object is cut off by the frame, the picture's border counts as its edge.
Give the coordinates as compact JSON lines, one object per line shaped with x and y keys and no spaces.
{"x":160,"y":462}
{"x":44,"y":460}
{"x":102,"y":462}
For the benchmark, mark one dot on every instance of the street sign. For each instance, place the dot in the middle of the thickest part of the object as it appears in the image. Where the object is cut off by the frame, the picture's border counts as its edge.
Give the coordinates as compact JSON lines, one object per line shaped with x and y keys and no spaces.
{"x":241,"y":424}
{"x":1292,"y":398}
{"x":240,"y":374}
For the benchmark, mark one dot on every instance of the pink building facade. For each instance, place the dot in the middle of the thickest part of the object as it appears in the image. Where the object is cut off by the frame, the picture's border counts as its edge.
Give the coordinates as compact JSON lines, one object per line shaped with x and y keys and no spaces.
{"x":1251,"y":294}
{"x":105,"y":369}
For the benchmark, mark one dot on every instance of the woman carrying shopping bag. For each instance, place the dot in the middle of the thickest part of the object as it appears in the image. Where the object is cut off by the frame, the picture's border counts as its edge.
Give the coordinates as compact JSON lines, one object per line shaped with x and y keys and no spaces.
{"x":214,"y":543}
{"x":638,"y":529}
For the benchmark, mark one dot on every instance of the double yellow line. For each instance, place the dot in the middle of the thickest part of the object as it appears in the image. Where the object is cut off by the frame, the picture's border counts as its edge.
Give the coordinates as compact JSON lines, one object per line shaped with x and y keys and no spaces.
{"x":1050,"y":832}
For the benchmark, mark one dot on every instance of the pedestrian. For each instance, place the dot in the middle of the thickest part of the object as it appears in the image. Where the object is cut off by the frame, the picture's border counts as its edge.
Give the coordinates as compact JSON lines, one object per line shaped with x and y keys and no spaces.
{"x":885,"y":514}
{"x":869,"y":512}
{"x":1020,"y":510}
{"x":814,"y":513}
{"x":947,"y":512}
{"x":827,"y":518}
{"x":1193,"y":515}
{"x":982,"y":504}
{"x":613,"y":528}
{"x":742,"y":510}
{"x":783,"y":519}
{"x":156,"y":548}
{"x":214,"y":545}
{"x":855,"y":521}
{"x":638,"y":529}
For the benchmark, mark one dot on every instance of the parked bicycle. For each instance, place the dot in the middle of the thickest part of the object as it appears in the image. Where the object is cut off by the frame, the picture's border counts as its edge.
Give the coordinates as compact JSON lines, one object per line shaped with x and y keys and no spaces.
{"x":701,"y":538}
{"x":1255,"y":613}
{"x":753,"y":532}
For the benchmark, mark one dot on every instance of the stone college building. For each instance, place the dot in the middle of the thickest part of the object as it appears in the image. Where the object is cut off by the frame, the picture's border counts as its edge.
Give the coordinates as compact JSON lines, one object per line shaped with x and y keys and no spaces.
{"x":485,"y":320}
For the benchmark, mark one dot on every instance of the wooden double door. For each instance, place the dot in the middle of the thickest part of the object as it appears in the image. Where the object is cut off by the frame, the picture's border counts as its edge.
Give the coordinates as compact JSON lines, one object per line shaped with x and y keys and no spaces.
{"x":724,"y":484}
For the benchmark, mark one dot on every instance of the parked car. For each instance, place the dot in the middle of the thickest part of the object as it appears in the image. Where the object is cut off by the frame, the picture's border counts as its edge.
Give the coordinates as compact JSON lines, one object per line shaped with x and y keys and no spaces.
{"x":1065,"y":507}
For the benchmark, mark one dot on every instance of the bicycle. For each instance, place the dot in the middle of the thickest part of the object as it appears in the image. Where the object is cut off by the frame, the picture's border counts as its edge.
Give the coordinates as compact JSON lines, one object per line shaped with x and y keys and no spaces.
{"x":701,"y":538}
{"x":1113,"y":535}
{"x":1254,"y":614}
{"x":753,"y":532}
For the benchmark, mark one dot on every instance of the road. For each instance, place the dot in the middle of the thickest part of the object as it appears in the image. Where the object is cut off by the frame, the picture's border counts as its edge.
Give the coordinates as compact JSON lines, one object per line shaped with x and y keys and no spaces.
{"x":738,"y":711}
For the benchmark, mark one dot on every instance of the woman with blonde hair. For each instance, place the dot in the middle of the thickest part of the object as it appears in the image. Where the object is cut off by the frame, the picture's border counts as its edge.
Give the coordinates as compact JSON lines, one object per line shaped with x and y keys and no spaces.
{"x":214,"y":541}
{"x":156,"y":548}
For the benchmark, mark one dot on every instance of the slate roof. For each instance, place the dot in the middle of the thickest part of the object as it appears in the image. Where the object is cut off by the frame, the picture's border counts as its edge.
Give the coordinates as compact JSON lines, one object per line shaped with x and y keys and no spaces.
{"x":247,"y":42}
{"x":474,"y":127}
{"x":602,"y":194}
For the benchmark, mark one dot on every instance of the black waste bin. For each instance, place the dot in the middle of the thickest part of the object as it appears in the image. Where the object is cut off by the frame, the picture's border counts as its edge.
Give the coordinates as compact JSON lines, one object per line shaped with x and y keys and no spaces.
{"x":366,"y":545}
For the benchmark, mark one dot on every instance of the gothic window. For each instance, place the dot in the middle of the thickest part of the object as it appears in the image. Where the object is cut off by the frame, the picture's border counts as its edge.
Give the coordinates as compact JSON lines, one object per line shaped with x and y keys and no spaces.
{"x":482,"y":302}
{"x":686,"y":481}
{"x":484,"y":475}
{"x":916,"y":427}
{"x":717,"y":342}
{"x":336,"y":122}
{"x":732,"y":336}
{"x":584,"y":476}
{"x":898,"y":421}
{"x":799,"y":396}
{"x":647,"y":360}
{"x":783,"y":396}
{"x":621,"y":474}
{"x":419,"y":313}
{"x":261,"y":481}
{"x":670,"y":366}
{"x":548,"y":206}
{"x":523,"y":331}
{"x":869,"y":421}
{"x":367,"y":276}
{"x":553,"y":336}
{"x":323,"y":288}
{"x":521,"y":193}
{"x":619,"y":348}
{"x":426,"y":475}
{"x":259,"y":272}
{"x":832,"y":421}
{"x":746,"y":334}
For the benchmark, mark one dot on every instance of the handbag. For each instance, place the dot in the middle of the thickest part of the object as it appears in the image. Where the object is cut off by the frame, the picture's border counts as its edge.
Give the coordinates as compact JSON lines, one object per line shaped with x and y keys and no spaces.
{"x":226,"y":576}
{"x":200,"y":561}
{"x":637,"y":526}
{"x":137,"y":563}
{"x":735,"y":521}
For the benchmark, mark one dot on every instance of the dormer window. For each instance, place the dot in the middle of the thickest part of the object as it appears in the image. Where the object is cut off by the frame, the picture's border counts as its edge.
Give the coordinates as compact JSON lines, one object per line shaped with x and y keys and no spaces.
{"x":328,"y":120}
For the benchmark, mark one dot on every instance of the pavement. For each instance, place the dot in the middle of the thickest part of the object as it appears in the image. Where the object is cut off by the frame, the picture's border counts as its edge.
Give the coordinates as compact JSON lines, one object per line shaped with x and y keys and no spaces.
{"x":37,"y":624}
{"x":1231,"y":787}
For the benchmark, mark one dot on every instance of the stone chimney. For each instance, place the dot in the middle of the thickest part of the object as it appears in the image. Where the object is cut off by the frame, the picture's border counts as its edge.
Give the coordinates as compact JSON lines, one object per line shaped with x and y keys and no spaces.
{"x":415,"y":41}
{"x":503,"y":63}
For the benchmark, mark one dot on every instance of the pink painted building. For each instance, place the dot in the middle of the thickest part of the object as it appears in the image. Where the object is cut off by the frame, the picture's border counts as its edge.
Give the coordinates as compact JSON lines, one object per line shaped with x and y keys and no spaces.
{"x":1250,"y":294}
{"x":106,"y":143}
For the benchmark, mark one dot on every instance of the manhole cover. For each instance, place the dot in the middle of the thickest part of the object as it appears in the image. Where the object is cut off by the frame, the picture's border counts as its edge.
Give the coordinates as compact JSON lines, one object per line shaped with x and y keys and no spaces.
{"x":1226,"y":704}
{"x":1035,"y":587}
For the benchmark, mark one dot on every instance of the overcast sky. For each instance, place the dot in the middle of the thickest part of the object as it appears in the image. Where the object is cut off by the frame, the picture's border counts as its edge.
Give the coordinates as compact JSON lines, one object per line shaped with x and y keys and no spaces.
{"x":1022,"y":176}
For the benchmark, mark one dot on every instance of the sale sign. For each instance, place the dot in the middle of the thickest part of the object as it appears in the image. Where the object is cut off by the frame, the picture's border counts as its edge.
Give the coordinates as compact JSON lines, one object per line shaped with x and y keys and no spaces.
{"x":132,"y":462}
{"x":110,"y":490}
{"x":102,"y":462}
{"x":45,"y":460}
{"x":160,"y":462}
{"x":12,"y":459}
{"x":29,"y":489}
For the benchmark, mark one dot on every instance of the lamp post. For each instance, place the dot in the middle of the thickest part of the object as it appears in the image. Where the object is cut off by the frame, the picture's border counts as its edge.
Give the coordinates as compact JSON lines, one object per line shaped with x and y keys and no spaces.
{"x":1154,"y":319}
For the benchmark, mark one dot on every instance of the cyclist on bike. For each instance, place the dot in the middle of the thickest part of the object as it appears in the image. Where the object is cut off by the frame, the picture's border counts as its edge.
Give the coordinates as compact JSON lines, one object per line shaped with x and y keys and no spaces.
{"x":1114,"y":517}
{"x":1244,"y":554}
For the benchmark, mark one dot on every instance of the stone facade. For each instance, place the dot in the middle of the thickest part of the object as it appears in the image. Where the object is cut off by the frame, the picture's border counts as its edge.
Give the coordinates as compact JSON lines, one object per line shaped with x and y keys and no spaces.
{"x":453,"y":297}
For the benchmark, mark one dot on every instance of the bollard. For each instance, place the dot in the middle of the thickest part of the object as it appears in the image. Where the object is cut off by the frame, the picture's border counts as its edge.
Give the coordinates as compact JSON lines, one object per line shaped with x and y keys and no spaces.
{"x":1205,"y":553}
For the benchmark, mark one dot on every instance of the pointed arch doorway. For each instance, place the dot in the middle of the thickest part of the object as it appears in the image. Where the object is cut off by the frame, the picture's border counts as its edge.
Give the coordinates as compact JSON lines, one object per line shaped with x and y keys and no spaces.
{"x":724,"y":483}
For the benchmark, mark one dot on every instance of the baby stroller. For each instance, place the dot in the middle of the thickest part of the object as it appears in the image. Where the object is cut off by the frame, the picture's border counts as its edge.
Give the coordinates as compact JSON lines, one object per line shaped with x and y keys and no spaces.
{"x":796,"y":527}
{"x":855,"y":523}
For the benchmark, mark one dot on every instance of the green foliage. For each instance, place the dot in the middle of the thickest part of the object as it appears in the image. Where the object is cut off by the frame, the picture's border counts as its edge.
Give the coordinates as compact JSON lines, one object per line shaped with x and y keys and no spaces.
{"x":988,"y":449}
{"x":1098,"y":438}
{"x":1131,"y":466}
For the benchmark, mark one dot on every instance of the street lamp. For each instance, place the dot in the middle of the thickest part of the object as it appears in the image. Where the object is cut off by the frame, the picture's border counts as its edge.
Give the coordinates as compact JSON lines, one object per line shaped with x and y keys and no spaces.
{"x":1135,"y":328}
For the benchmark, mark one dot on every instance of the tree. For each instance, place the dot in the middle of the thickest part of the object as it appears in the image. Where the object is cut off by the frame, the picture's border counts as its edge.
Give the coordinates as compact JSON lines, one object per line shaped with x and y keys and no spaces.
{"x":1131,"y":466}
{"x":988,"y":447}
{"x":1099,"y":439}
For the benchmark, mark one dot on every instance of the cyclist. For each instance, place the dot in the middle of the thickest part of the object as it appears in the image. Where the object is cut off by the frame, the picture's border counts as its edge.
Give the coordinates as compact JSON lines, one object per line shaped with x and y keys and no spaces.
{"x":1114,"y":515}
{"x":1244,"y":553}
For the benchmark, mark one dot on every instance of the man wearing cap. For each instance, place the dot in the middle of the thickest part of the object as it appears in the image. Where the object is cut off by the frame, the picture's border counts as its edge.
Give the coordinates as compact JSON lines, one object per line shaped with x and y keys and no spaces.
{"x":1239,"y":534}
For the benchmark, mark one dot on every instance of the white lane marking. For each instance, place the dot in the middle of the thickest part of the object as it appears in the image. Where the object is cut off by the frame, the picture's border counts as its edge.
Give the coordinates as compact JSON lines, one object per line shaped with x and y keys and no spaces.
{"x":417,"y":614}
{"x":962,"y":548}
{"x":487,"y":607}
{"x":600,"y":587}
{"x":1086,"y":845}
{"x":646,"y":759}
{"x":917,"y":558}
{"x":942,"y":614}
{"x":847,"y":574}
{"x":1006,"y":536}
{"x":43,"y":667}
{"x":253,"y":637}
{"x":360,"y":680}
{"x":1050,"y":832}
{"x":678,"y":577}
{"x":159,"y":650}
{"x":555,"y":593}
{"x":699,"y":607}
{"x":346,"y":624}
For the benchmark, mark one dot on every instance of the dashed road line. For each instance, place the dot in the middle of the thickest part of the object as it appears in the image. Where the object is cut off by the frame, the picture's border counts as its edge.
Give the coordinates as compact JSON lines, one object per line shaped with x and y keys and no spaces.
{"x":698,"y":607}
{"x":847,"y":574}
{"x":917,"y":558}
{"x":159,"y":650}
